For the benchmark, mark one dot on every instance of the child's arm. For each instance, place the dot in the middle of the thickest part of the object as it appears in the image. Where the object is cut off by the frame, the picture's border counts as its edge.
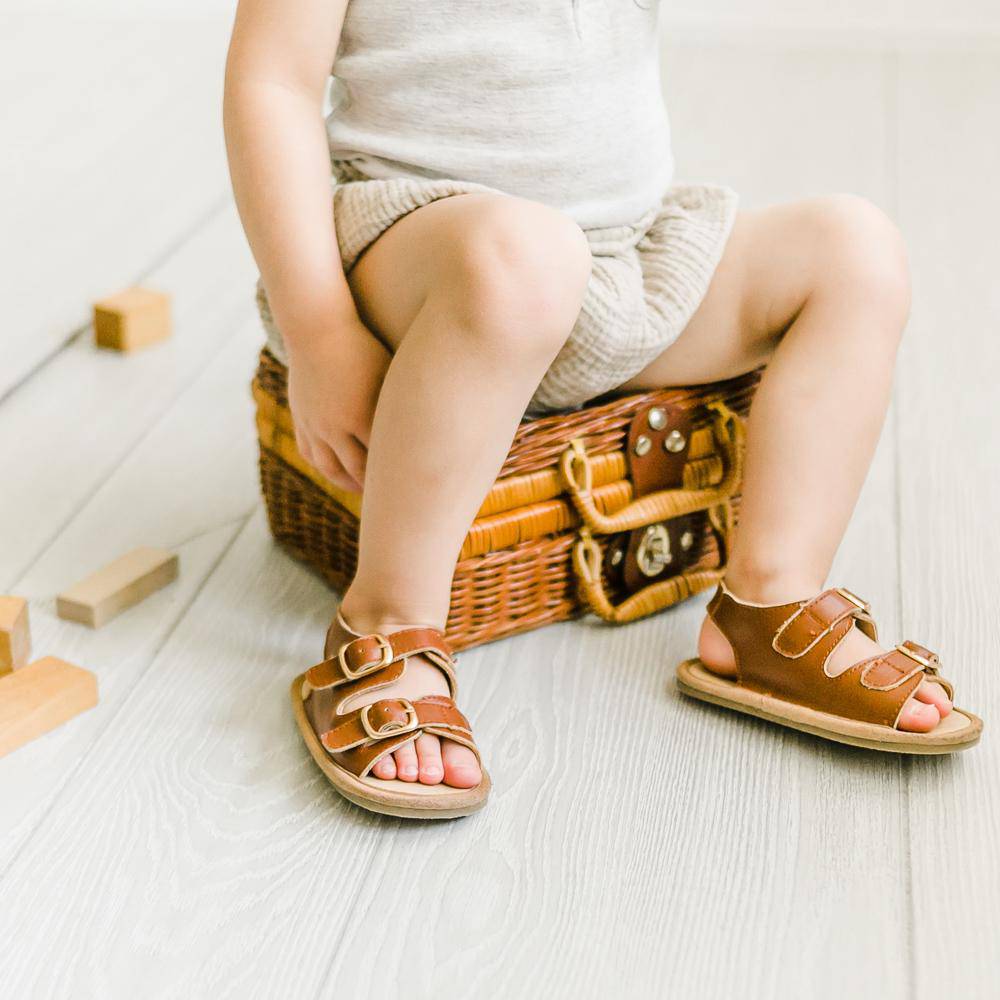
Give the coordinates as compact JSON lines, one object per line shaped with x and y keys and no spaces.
{"x":279,"y":62}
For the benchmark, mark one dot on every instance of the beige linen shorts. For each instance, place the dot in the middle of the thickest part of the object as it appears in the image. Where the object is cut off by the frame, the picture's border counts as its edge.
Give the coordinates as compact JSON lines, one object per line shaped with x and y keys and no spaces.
{"x":646,"y":281}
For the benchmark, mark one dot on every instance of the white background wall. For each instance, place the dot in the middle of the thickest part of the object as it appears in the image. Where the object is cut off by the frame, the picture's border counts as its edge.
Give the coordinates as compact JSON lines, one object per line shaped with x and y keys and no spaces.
{"x":934,"y":20}
{"x":895,"y":16}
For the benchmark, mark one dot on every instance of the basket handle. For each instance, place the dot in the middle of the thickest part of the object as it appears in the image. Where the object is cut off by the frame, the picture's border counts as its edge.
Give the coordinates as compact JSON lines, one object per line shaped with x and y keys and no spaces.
{"x":730,"y":435}
{"x":664,"y":504}
{"x":655,"y":597}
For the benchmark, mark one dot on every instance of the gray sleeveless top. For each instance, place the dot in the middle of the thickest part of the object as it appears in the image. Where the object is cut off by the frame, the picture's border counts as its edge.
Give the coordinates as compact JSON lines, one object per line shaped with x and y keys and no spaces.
{"x":554,"y":100}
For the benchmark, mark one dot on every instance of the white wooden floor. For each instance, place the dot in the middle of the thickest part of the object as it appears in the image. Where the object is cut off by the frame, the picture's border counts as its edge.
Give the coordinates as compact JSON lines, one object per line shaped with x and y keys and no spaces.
{"x":178,"y":842}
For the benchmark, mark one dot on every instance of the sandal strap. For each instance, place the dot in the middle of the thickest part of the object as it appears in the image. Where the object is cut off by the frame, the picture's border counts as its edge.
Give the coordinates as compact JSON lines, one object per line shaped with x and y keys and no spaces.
{"x":359,"y":738}
{"x":812,"y":621}
{"x":364,"y":736}
{"x":895,"y":667}
{"x":782,"y":650}
{"x":366,"y":655}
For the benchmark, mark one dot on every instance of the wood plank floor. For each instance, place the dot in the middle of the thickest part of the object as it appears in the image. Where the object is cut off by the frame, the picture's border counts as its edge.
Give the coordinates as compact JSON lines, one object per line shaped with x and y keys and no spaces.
{"x":178,"y":841}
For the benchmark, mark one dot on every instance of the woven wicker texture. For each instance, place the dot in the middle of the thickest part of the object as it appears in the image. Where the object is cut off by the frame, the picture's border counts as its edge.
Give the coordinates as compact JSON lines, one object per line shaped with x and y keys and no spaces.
{"x":516,"y":568}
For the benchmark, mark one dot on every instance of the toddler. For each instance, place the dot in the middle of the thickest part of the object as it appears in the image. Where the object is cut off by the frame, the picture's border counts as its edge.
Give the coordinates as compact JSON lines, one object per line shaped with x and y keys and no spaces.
{"x":503,"y":236}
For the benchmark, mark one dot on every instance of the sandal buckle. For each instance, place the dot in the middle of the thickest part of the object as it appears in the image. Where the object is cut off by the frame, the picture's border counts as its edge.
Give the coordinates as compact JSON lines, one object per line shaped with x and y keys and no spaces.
{"x":853,"y":598}
{"x":386,"y":658}
{"x":913,"y":655}
{"x":389,"y":729}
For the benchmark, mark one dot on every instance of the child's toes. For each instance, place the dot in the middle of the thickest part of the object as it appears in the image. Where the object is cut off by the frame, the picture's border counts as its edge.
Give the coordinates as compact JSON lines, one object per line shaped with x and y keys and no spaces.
{"x":932,"y":693}
{"x":461,"y":769}
{"x":385,"y":768}
{"x":918,"y":717}
{"x":431,"y":770}
{"x":406,"y":762}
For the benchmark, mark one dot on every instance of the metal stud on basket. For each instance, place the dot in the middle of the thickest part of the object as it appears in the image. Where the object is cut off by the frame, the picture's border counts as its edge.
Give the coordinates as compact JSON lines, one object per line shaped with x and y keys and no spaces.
{"x":674,"y":442}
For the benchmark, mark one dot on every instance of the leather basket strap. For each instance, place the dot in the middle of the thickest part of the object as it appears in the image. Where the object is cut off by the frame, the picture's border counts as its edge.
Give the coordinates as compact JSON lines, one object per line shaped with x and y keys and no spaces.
{"x":577,"y":477}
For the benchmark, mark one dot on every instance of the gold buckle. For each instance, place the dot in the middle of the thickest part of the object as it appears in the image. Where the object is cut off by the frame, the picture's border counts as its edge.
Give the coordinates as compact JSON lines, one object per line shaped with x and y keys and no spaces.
{"x":396,"y":729}
{"x":383,"y":644}
{"x":853,"y":598}
{"x":906,"y":651}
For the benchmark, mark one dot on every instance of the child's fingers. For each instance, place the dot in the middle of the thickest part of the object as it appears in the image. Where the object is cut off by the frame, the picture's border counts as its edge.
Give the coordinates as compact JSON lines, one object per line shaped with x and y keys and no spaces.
{"x":327,"y":462}
{"x":363,"y":434}
{"x":304,"y":449}
{"x":353,"y":456}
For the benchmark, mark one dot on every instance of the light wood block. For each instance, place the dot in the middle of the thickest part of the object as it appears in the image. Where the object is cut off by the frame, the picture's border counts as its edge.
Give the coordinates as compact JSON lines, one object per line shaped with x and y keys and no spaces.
{"x":15,"y":636}
{"x":111,"y":590}
{"x":134,"y":318}
{"x":43,"y":695}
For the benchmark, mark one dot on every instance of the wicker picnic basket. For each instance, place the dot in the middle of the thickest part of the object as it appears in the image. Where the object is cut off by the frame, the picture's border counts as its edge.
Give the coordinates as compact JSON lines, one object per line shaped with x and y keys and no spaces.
{"x":621,"y":508}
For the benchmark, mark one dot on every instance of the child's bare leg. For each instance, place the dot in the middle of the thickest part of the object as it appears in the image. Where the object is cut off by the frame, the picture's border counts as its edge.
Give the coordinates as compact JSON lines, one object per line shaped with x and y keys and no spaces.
{"x":475,"y":294}
{"x":819,"y":289}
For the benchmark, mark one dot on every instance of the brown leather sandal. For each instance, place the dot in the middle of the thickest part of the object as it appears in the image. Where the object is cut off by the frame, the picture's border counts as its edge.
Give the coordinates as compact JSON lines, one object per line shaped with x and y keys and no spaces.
{"x":348,"y":745}
{"x":781,"y":654}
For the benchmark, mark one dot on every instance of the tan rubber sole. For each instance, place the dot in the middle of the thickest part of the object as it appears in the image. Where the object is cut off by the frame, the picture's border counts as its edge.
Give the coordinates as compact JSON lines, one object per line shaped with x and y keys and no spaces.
{"x":406,"y":799}
{"x":959,"y":730}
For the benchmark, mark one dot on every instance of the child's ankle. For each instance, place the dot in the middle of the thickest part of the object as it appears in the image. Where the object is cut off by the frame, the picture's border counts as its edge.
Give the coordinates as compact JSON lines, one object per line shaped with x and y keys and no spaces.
{"x":371,"y":615}
{"x":761,"y":584}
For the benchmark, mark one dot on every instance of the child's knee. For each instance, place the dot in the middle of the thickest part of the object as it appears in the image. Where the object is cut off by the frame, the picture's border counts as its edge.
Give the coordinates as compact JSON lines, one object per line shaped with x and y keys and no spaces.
{"x":519,"y":273}
{"x":862,"y":256}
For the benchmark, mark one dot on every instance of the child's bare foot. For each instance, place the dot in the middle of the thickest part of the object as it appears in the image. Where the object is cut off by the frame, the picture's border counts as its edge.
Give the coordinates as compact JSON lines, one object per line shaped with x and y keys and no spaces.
{"x":427,"y":759}
{"x":921,"y":713}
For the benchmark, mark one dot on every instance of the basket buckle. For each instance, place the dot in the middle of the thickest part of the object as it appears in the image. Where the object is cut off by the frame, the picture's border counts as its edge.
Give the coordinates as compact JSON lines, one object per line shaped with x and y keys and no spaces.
{"x":386,"y":658}
{"x":653,"y":554}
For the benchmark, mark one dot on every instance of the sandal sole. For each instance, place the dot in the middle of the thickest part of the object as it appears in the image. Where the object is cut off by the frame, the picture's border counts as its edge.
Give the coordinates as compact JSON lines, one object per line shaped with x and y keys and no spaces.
{"x":959,"y":730}
{"x":404,"y":799}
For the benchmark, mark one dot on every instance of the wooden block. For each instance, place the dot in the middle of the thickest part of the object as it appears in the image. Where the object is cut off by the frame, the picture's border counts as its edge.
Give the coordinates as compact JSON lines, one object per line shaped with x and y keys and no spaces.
{"x":119,"y":585}
{"x":131,"y":319}
{"x":41,"y":696}
{"x":15,"y":637}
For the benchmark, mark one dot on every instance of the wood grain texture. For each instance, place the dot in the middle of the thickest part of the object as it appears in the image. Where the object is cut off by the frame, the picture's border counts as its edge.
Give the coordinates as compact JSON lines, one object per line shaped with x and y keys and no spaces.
{"x":179,"y":841}
{"x":694,"y":848}
{"x":114,"y":400}
{"x":117,"y":157}
{"x":226,"y":865}
{"x":164,"y":453}
{"x":188,"y":485}
{"x":949,"y":495}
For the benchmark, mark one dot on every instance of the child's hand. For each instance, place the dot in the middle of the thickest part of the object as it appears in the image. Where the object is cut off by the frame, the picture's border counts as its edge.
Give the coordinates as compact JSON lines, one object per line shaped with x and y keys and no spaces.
{"x":333,"y":384}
